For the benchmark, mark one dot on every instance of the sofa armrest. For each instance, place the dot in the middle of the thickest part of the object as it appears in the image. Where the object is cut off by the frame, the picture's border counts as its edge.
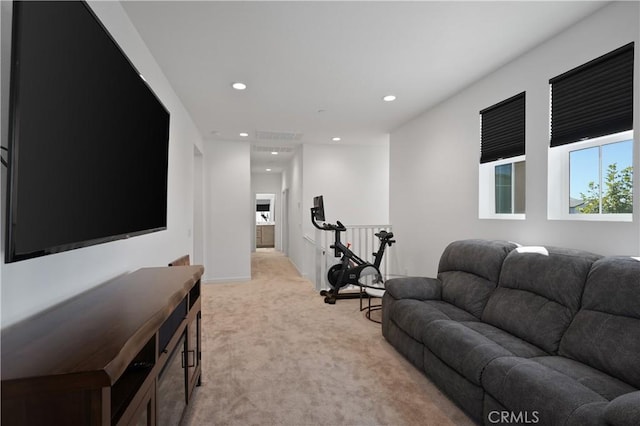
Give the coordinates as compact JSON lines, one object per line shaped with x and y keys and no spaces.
{"x":421,"y":288}
{"x":624,"y":410}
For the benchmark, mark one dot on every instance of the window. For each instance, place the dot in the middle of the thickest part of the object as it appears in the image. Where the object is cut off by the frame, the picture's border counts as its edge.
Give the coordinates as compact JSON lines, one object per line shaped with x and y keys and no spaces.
{"x":263,"y":217}
{"x":591,"y":140}
{"x":502,"y":160}
{"x":509,"y":187}
{"x":263,"y":211}
{"x":592,"y":179}
{"x":601,"y":179}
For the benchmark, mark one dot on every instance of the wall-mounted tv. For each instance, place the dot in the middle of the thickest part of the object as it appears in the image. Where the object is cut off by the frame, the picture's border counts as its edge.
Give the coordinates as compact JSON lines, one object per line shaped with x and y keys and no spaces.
{"x":88,"y":139}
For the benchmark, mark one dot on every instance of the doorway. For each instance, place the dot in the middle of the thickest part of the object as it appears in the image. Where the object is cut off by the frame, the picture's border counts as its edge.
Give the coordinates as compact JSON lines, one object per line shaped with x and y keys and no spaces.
{"x":265,"y":220}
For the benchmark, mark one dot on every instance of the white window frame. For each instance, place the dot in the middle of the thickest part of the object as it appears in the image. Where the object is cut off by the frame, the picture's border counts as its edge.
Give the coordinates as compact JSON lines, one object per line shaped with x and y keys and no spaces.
{"x":558,"y":181}
{"x":487,"y":190}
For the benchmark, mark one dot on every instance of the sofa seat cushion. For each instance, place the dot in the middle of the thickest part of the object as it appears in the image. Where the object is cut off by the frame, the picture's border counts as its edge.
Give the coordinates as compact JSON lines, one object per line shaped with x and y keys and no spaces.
{"x":467,"y":347}
{"x":601,"y":383}
{"x":624,"y":410}
{"x":412,"y":316}
{"x":513,"y":344}
{"x":524,"y":385}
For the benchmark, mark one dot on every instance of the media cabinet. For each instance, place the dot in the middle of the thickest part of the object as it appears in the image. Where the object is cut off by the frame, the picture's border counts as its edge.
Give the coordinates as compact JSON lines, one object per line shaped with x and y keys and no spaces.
{"x":124,"y":353}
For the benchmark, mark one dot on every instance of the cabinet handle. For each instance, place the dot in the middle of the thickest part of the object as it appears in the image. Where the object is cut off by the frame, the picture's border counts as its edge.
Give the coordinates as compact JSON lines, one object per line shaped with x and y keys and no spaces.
{"x":191,"y":363}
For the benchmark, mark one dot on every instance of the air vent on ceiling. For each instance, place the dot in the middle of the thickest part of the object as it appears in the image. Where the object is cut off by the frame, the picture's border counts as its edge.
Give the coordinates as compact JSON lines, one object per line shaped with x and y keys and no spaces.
{"x":277,"y":136}
{"x":278,"y":149}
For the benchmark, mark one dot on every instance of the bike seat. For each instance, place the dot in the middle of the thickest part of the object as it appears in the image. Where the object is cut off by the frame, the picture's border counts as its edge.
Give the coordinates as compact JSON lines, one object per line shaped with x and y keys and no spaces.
{"x":384,"y":235}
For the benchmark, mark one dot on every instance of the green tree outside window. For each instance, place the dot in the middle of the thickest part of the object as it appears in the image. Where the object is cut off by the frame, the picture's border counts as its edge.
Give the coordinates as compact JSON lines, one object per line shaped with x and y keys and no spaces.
{"x":618,"y":195}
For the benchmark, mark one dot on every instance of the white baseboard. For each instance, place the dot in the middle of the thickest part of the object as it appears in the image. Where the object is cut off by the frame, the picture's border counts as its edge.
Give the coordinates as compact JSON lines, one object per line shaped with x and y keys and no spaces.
{"x":302,"y":274}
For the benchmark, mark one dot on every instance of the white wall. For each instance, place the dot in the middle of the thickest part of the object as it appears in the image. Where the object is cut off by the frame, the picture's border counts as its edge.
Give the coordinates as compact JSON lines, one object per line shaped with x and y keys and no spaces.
{"x":292,"y":181}
{"x":198,"y":207}
{"x":353,"y":180}
{"x":33,"y":285}
{"x":228,"y":211}
{"x":434,"y":158}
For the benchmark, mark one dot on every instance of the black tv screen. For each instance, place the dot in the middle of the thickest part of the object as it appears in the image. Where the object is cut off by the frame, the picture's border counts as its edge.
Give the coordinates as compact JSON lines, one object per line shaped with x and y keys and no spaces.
{"x":88,"y":139}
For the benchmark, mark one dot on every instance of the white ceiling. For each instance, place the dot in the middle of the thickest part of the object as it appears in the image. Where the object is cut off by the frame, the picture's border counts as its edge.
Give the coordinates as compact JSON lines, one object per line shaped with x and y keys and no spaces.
{"x":316,"y":70}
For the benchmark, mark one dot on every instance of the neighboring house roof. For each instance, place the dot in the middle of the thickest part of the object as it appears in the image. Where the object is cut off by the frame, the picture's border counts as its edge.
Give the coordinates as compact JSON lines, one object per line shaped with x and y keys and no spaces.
{"x":575,"y":202}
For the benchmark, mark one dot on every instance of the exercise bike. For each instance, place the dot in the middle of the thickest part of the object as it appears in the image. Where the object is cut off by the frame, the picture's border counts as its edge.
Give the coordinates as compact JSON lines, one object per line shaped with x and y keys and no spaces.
{"x":351,"y":270}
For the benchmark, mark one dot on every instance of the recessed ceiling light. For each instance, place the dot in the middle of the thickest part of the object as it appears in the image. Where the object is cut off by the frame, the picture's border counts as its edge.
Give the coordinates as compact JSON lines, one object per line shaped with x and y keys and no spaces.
{"x":244,"y":134}
{"x":336,"y":139}
{"x":274,"y":152}
{"x":389,"y":98}
{"x":239,"y":86}
{"x":268,"y":170}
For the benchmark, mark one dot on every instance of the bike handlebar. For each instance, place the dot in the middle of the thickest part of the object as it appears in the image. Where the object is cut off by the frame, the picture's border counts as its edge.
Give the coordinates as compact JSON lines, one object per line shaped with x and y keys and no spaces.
{"x":327,"y":226}
{"x":331,"y":227}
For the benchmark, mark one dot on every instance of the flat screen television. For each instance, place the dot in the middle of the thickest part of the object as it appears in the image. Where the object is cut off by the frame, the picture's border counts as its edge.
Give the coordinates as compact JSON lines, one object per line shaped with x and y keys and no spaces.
{"x":88,"y":139}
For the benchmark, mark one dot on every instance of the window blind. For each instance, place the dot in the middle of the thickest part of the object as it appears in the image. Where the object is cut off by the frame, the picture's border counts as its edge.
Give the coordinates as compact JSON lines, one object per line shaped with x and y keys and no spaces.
{"x":503,"y":129}
{"x":594,"y":99}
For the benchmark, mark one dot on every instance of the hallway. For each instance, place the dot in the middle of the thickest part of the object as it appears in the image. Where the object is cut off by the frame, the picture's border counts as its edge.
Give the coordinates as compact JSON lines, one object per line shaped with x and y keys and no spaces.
{"x":275,"y":354}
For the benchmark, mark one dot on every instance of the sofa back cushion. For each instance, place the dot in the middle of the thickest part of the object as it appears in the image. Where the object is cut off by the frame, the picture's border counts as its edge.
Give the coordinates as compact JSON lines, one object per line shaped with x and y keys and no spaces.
{"x":469,"y":272}
{"x":605,"y":334}
{"x":539,"y":293}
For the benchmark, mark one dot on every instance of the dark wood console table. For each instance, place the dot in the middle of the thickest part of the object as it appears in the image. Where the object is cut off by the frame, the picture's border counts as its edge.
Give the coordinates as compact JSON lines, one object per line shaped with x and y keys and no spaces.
{"x":117,"y":354}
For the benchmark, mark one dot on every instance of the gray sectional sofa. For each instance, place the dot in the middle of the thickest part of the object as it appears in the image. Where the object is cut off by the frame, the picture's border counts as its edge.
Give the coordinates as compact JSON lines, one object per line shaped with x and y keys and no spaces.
{"x":522,"y":335}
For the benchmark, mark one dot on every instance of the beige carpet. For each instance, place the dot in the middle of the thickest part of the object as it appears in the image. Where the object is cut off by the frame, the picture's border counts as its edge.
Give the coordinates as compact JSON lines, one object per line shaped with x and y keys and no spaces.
{"x":275,"y":354}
